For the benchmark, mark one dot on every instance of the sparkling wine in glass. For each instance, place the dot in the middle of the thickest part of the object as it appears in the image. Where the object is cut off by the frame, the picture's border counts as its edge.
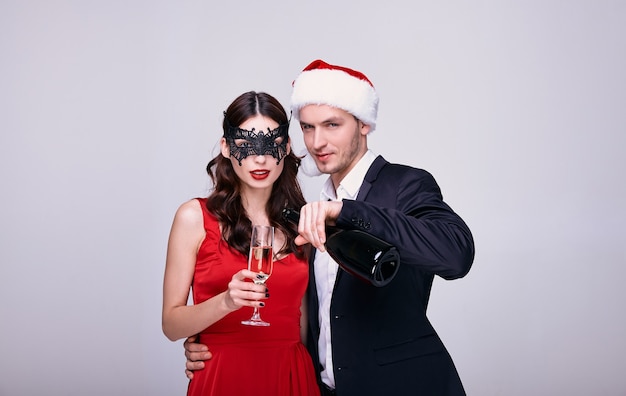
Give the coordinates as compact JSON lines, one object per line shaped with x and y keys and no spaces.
{"x":261,"y":261}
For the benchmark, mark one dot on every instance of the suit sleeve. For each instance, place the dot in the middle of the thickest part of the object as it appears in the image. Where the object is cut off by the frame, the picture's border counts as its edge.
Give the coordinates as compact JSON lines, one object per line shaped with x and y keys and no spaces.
{"x":405,"y":207}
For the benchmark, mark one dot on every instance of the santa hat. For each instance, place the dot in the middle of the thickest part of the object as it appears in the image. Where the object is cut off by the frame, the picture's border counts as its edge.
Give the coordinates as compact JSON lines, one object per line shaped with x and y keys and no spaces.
{"x":337,"y":86}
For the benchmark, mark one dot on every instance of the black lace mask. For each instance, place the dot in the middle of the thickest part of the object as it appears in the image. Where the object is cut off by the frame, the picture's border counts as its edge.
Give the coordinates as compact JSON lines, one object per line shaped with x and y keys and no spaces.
{"x":257,"y":143}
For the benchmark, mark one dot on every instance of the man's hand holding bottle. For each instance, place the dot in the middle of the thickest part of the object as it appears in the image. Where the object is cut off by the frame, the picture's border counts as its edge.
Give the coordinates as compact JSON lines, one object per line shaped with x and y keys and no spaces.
{"x":314,"y":218}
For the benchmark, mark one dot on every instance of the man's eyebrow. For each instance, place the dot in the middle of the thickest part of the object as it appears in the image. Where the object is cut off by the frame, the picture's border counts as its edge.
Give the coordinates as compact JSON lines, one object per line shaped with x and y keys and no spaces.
{"x":326,"y":121}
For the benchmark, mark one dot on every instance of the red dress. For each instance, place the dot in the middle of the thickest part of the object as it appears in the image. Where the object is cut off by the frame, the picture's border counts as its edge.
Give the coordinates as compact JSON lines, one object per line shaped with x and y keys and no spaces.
{"x":250,"y":360}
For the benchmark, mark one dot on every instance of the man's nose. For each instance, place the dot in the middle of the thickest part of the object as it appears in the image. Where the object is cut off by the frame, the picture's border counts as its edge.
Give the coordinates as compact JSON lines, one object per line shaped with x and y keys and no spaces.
{"x":319,"y":140}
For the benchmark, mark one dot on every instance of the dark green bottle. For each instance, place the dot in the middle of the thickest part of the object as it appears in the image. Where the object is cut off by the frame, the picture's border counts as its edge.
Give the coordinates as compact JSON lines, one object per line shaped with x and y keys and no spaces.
{"x":360,"y":254}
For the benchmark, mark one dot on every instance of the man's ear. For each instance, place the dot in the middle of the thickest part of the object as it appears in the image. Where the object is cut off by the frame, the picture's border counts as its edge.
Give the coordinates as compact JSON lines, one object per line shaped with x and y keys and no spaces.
{"x":364,"y":129}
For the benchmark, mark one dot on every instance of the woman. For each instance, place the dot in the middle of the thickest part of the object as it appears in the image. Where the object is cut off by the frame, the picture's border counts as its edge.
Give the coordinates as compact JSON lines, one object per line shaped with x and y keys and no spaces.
{"x":254,"y":178}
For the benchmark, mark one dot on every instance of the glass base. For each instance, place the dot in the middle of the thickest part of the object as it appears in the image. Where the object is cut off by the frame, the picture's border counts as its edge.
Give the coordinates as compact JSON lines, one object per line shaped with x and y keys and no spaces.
{"x":254,"y":322}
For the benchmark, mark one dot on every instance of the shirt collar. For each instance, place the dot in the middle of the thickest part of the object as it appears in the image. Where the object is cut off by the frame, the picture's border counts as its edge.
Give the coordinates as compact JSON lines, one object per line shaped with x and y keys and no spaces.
{"x":351,"y":184}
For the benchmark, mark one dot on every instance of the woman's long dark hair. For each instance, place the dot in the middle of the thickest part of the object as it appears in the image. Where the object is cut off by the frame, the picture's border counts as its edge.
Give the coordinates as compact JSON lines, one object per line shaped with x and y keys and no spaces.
{"x":225,"y":199}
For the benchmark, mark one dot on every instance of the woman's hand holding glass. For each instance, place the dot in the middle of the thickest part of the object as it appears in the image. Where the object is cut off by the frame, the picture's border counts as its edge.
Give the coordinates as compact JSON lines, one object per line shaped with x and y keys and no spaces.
{"x":244,"y":293}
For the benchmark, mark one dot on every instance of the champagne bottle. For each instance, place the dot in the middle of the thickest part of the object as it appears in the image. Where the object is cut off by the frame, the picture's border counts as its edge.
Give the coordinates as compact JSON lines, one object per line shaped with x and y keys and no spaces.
{"x":362,"y":255}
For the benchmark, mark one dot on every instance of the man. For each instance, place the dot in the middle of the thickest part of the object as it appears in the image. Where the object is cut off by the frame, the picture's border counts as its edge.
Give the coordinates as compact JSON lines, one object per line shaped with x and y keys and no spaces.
{"x":368,"y":340}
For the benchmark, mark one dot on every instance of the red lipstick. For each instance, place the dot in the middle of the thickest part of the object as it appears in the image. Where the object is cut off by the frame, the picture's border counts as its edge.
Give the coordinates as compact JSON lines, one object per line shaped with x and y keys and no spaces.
{"x":259,"y":174}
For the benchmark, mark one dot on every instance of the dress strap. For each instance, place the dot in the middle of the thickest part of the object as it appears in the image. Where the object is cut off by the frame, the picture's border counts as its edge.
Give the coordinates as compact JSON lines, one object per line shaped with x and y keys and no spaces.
{"x":210,"y":221}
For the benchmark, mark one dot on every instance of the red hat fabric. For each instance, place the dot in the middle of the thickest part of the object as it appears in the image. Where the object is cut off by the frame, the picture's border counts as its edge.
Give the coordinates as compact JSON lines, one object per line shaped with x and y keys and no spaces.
{"x":337,"y":86}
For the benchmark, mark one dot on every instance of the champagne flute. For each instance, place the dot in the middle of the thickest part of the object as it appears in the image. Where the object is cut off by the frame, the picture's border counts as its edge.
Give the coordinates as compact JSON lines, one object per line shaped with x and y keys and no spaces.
{"x":261,"y":261}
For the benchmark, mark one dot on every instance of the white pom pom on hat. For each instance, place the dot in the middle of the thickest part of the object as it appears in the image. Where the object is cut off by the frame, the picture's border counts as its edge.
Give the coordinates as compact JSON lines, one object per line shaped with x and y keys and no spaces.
{"x":308,"y":165}
{"x":337,"y":86}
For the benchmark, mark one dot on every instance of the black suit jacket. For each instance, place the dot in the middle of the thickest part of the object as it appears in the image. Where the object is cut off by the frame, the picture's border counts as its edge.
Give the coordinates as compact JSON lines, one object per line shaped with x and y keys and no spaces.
{"x":382,"y":341}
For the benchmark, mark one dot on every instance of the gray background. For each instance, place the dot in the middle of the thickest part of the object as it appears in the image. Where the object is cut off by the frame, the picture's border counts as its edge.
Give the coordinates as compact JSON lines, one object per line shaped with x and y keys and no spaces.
{"x":110,"y":110}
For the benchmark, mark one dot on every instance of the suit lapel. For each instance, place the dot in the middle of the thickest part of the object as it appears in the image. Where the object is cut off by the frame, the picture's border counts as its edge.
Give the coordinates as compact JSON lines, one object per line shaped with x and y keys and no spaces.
{"x":370,"y":177}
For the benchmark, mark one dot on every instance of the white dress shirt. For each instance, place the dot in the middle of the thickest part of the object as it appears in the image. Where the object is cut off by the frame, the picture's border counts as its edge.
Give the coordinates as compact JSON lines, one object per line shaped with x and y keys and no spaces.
{"x":326,"y":268}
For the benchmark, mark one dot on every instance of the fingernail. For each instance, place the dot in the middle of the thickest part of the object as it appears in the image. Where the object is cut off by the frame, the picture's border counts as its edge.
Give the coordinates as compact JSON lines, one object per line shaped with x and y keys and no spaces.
{"x":262,"y":304}
{"x":267,"y":294}
{"x":267,"y":290}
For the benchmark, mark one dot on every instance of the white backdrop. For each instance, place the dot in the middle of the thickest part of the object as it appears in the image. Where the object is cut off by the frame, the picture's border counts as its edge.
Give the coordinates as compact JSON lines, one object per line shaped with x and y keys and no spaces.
{"x":110,"y":110}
